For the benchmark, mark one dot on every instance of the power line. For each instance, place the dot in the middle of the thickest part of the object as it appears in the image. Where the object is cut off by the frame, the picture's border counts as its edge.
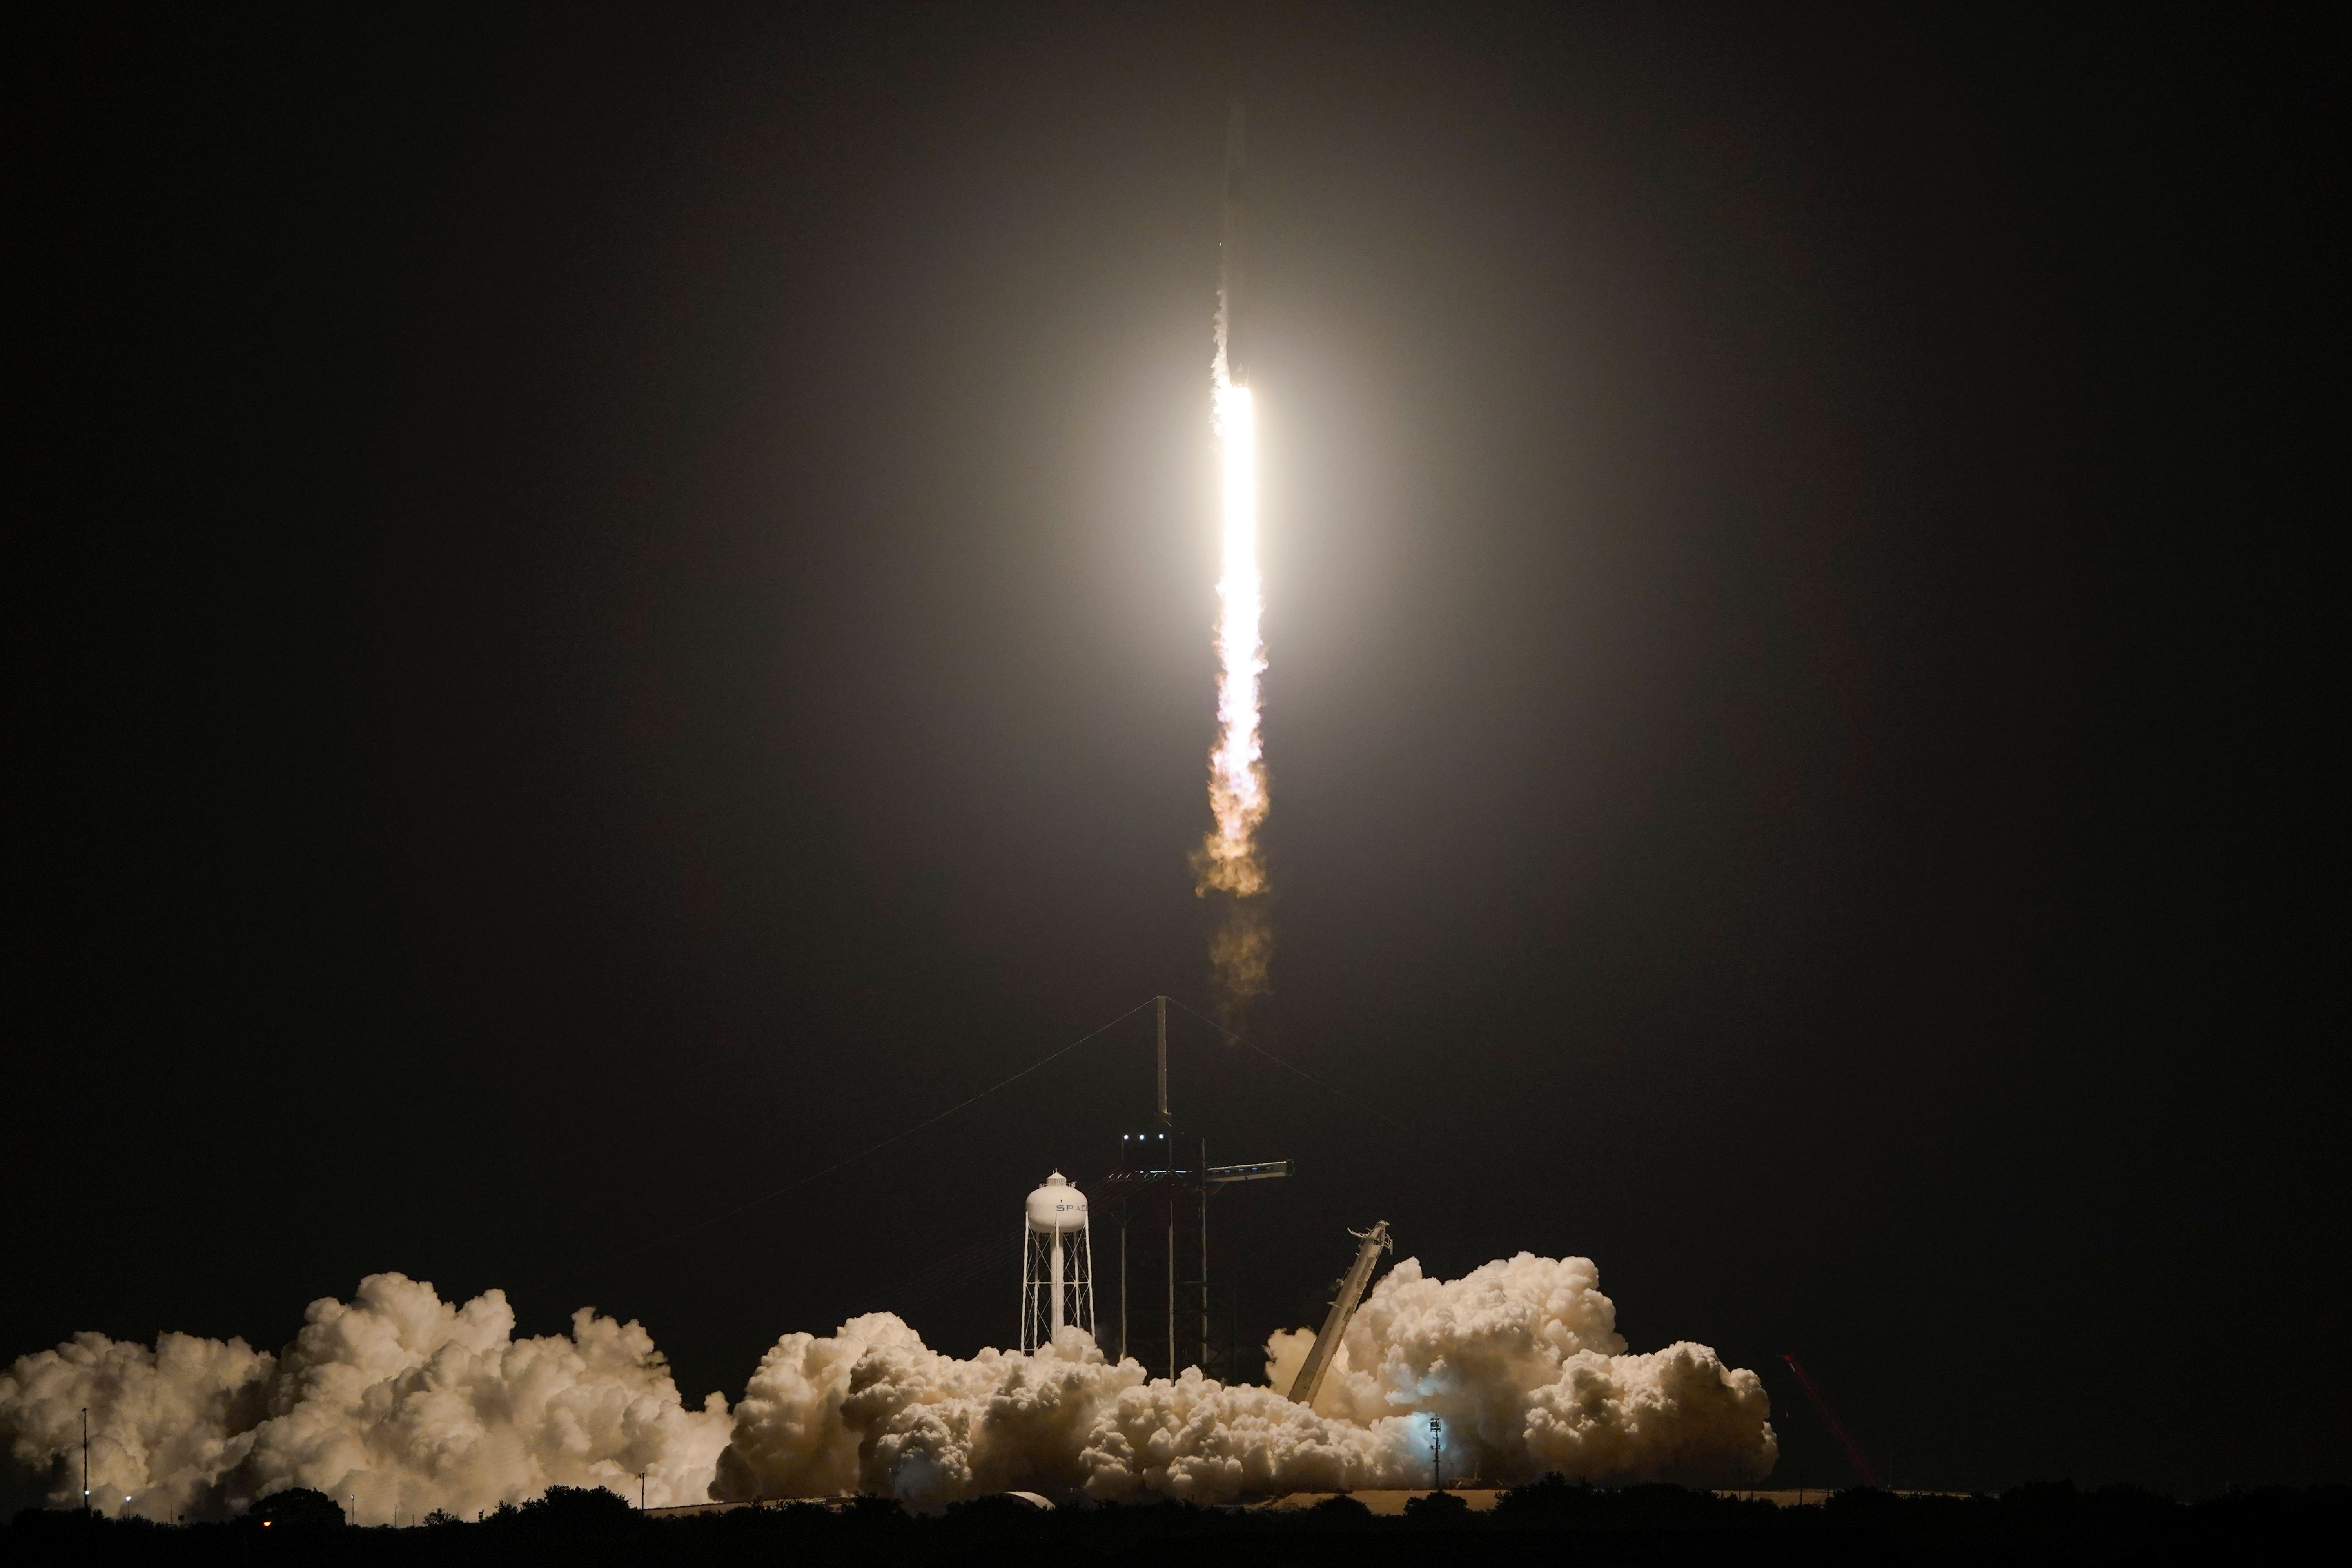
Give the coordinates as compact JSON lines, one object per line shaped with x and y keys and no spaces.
{"x":671,"y":1237}
{"x":1332,"y":1090}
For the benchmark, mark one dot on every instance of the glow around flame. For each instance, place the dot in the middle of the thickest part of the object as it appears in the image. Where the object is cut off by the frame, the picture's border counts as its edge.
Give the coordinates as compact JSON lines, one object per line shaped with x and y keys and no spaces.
{"x":1229,"y":861}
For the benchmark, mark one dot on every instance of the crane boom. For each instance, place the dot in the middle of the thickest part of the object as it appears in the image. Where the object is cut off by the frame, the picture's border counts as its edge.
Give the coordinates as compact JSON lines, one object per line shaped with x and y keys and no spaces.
{"x":1853,"y":1450}
{"x":1374,"y":1242}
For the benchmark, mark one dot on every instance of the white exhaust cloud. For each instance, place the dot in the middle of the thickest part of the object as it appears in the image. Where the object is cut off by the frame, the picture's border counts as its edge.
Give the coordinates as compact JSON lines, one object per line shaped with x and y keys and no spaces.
{"x":405,"y":1402}
{"x":1520,"y":1360}
{"x":398,"y":1399}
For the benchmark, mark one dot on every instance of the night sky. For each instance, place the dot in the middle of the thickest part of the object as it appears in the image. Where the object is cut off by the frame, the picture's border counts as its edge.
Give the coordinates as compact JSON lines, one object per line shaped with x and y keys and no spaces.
{"x":606,"y":610}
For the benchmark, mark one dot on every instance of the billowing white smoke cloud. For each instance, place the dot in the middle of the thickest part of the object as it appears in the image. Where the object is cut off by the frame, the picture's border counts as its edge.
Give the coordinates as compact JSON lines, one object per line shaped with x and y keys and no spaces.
{"x":1520,"y":1359}
{"x":404,"y":1401}
{"x":398,"y":1399}
{"x":872,"y":1409}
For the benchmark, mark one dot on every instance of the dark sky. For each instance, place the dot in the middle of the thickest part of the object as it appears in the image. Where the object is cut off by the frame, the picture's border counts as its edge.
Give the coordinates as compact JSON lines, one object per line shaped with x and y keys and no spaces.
{"x":605,"y":611}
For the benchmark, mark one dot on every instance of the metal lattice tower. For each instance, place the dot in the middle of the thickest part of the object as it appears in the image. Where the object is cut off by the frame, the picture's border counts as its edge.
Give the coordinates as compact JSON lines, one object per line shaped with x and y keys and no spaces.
{"x":1153,"y":1186}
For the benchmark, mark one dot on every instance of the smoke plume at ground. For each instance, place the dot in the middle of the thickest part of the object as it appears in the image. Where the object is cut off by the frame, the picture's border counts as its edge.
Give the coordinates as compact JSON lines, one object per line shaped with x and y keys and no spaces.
{"x":1520,"y":1360}
{"x":401,"y":1402}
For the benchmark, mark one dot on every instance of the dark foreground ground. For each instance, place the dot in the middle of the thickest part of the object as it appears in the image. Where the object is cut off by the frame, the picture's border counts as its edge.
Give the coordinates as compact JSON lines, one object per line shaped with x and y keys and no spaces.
{"x":1548,"y":1522}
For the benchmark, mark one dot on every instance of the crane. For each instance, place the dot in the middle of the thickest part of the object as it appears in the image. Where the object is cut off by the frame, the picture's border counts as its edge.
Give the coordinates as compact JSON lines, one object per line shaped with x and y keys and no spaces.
{"x":1853,"y":1450}
{"x":1373,"y":1242}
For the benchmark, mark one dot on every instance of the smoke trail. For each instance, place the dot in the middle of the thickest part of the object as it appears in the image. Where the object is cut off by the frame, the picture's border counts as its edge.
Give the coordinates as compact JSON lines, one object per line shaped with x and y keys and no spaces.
{"x":1227,"y":863}
{"x":408,"y":1403}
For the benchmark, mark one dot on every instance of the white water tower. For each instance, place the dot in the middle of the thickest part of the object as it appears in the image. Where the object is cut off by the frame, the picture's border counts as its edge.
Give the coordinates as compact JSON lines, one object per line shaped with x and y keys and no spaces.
{"x":1057,"y":1263}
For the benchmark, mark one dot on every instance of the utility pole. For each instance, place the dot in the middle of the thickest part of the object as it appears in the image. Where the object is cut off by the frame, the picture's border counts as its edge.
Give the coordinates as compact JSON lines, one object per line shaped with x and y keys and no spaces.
{"x":85,"y":1458}
{"x":1436,"y":1472}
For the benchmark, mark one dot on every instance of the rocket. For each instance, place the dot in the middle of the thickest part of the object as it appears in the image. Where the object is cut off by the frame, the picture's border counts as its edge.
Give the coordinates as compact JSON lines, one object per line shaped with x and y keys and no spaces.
{"x":1231,"y":252}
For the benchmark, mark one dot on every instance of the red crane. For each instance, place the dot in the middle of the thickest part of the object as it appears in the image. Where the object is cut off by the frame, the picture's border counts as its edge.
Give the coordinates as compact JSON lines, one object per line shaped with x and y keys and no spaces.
{"x":1851,"y":1449}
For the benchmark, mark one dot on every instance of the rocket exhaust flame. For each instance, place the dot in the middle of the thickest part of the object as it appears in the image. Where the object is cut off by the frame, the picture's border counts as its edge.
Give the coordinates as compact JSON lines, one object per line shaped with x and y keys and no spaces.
{"x":1236,"y":766}
{"x":1227,"y":862}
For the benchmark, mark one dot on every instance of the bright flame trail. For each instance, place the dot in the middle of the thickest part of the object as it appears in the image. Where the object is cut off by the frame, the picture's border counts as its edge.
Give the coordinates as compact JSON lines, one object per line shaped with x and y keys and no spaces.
{"x":1228,"y":862}
{"x":1237,"y":766}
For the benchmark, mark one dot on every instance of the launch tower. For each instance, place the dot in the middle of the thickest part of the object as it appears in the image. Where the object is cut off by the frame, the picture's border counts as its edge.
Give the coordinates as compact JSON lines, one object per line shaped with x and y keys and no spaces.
{"x":1161,"y":1188}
